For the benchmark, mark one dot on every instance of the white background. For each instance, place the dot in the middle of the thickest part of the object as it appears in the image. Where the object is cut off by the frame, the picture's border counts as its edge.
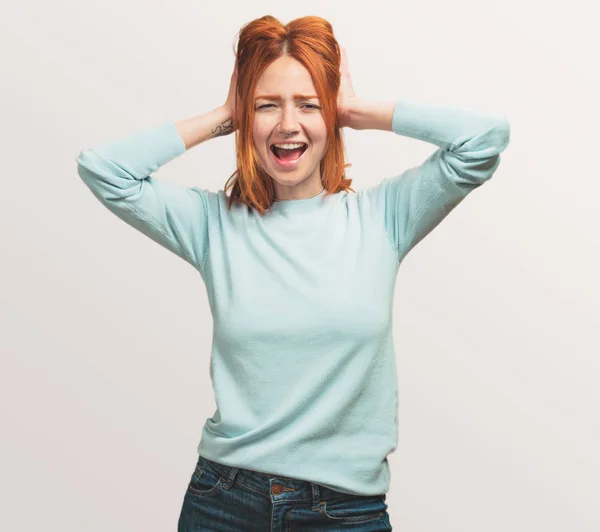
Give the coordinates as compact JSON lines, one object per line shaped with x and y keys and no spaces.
{"x":105,"y":336}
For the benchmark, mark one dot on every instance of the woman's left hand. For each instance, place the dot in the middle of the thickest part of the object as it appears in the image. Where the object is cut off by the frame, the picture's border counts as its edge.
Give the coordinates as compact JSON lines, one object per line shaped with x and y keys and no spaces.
{"x":346,"y":94}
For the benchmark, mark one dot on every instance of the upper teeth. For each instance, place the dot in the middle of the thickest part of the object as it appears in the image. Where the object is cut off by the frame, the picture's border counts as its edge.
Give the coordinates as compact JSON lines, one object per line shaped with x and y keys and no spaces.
{"x":289,"y":146}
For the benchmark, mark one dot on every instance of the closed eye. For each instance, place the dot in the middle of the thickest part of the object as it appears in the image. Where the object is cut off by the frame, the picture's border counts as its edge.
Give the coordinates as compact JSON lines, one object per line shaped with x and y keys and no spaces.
{"x":306,"y":104}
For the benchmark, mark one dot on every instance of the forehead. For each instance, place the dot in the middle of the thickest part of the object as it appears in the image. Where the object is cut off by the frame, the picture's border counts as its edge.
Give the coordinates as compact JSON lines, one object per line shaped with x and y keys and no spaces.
{"x":286,"y":77}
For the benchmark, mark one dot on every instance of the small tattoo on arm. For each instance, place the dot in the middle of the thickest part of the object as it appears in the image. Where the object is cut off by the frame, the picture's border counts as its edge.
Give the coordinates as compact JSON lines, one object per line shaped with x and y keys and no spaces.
{"x":224,"y":128}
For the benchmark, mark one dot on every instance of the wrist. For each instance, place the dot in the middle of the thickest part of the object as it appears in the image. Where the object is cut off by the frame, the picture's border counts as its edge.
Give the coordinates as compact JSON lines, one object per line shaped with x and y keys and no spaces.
{"x":363,"y":114}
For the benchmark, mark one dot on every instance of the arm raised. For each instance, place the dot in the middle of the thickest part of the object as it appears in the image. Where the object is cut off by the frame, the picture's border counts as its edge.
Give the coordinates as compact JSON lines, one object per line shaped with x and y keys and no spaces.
{"x":119,"y":174}
{"x":469,"y":146}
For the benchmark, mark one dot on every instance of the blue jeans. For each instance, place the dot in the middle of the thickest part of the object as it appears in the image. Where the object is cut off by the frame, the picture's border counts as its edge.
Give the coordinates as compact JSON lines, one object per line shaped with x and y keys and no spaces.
{"x":221,"y":498}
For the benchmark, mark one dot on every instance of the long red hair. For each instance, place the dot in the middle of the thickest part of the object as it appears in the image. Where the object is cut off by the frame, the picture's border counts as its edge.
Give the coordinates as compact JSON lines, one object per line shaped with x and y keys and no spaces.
{"x":310,"y":41}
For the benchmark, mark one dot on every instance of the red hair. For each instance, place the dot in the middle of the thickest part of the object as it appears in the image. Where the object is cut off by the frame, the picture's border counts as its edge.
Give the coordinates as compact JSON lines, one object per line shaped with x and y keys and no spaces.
{"x":310,"y":41}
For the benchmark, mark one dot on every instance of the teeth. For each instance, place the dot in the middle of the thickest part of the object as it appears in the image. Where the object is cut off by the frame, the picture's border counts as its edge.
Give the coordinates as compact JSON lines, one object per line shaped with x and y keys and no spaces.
{"x":289,"y":146}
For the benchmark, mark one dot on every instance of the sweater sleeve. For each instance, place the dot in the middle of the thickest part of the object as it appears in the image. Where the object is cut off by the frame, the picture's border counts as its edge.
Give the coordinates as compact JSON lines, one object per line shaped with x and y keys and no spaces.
{"x":469,"y":146}
{"x":118,"y":174}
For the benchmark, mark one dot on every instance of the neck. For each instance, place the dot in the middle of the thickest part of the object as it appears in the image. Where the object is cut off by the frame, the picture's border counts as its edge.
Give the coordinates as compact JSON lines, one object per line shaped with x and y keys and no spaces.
{"x":307,"y":197}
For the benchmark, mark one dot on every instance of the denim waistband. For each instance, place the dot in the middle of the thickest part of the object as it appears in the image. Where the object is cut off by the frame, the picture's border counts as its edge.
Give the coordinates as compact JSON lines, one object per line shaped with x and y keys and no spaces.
{"x":276,"y":487}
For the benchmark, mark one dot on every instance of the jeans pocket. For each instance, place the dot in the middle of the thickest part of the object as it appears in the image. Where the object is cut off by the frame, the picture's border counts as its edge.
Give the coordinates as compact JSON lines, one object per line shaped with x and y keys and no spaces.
{"x":205,"y":482}
{"x":354,"y":509}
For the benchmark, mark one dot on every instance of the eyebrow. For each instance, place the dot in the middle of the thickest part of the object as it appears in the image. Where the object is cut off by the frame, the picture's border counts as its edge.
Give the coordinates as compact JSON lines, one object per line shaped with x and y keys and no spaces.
{"x":278,"y":97}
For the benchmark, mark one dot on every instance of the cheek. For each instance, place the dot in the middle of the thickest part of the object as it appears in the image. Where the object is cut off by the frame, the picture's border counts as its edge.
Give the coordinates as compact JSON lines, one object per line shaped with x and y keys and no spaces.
{"x":260,"y":142}
{"x":261,"y":129}
{"x":320,"y":143}
{"x":319,"y":135}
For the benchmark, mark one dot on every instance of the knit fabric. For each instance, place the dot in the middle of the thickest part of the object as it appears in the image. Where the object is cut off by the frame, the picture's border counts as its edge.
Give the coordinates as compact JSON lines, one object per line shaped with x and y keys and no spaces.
{"x":302,"y":363}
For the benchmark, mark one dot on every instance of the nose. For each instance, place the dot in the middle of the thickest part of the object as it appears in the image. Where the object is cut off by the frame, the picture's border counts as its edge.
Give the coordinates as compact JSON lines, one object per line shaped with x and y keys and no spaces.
{"x":289,"y":121}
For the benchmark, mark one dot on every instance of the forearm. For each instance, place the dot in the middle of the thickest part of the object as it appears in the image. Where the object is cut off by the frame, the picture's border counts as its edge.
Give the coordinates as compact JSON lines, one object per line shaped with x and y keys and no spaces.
{"x":195,"y":130}
{"x":364,"y":114}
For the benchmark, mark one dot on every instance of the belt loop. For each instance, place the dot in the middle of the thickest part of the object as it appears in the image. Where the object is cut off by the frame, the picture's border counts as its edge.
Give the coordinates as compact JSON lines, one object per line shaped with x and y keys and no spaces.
{"x":228,"y":484}
{"x":316,"y":496}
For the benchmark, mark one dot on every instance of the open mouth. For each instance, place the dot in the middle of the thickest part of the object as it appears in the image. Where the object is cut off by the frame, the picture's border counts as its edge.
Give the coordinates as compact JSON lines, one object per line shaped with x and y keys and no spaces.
{"x":285,"y":155}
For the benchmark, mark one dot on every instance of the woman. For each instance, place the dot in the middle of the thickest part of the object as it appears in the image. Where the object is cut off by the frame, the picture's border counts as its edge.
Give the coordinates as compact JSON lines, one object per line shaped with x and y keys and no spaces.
{"x":300,"y":273}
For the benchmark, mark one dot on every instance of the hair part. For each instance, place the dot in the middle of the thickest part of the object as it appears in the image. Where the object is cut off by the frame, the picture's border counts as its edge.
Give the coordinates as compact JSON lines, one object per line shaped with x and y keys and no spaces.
{"x":311,"y":42}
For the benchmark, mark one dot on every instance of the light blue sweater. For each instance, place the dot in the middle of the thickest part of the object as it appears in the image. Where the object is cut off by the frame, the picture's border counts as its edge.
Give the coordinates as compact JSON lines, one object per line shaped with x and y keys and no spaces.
{"x":302,"y":364}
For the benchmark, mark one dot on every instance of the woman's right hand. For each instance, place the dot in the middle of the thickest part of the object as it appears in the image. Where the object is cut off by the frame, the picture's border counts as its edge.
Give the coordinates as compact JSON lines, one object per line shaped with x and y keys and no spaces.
{"x":230,"y":102}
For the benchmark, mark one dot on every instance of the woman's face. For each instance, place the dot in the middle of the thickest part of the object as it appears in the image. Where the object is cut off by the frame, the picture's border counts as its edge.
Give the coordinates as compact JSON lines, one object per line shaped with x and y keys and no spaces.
{"x":287,"y":109}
